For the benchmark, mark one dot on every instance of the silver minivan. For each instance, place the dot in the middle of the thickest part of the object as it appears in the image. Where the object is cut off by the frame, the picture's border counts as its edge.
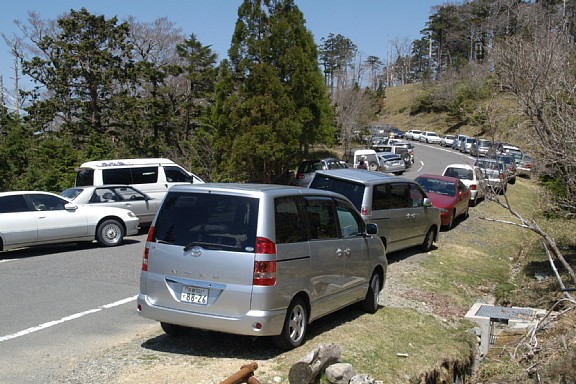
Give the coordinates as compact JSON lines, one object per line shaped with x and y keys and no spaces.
{"x":404,"y":214}
{"x":258,"y":260}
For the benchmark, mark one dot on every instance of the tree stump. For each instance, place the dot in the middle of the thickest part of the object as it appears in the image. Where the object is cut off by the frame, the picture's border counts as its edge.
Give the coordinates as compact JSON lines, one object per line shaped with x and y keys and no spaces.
{"x":310,"y":366}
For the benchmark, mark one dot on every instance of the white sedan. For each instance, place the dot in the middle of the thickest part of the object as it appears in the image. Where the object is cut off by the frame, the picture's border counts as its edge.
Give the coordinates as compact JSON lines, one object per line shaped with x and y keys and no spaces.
{"x":118,"y":196}
{"x":471,"y":176}
{"x":429,"y":137}
{"x":29,"y":218}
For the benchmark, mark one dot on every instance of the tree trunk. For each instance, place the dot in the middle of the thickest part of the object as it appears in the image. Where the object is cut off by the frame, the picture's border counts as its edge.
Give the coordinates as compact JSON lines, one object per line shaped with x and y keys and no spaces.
{"x":310,"y":366}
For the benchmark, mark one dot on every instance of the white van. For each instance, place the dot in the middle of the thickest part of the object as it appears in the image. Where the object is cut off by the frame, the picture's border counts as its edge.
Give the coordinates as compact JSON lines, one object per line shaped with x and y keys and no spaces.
{"x":151,"y":176}
{"x":370,"y":156}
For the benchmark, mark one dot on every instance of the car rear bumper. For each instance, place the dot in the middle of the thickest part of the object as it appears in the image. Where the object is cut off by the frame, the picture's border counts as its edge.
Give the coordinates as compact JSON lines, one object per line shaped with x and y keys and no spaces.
{"x":270,"y":322}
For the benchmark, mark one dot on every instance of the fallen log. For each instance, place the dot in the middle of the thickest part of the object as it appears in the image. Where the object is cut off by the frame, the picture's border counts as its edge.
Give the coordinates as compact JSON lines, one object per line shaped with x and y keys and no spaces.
{"x":312,"y":364}
{"x":244,"y":375}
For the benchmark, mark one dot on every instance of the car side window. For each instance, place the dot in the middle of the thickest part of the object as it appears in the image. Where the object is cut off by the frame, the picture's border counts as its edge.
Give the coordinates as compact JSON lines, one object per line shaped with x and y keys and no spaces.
{"x":116,"y":176}
{"x":127,"y":193}
{"x":176,"y":175}
{"x":16,"y":203}
{"x":144,"y":175}
{"x":290,"y":228}
{"x":47,"y":202}
{"x":381,"y":197}
{"x":103,"y":195}
{"x":350,"y":223}
{"x":321,"y":217}
{"x":400,"y":196}
{"x":417,"y":195}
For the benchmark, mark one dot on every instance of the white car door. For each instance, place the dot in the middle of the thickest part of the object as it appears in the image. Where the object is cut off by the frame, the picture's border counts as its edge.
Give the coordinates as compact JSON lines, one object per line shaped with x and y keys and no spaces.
{"x":54,"y":222}
{"x":17,"y":222}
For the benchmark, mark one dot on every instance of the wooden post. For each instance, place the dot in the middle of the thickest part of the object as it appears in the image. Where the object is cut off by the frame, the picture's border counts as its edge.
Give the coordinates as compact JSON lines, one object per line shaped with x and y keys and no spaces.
{"x":310,"y":366}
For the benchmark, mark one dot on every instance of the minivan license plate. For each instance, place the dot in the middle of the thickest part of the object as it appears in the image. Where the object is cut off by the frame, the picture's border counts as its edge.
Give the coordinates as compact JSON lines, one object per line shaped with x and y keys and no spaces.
{"x":194,"y":295}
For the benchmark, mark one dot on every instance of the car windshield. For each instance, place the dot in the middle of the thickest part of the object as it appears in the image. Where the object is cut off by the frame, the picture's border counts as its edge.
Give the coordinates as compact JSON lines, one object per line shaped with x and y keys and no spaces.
{"x":71,"y":193}
{"x":390,"y":157}
{"x":460,"y":173}
{"x":439,"y":187}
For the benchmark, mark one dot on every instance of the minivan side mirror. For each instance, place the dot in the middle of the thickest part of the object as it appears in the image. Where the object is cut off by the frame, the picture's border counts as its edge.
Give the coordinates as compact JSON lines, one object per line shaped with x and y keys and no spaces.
{"x":371,"y":229}
{"x":427,"y":202}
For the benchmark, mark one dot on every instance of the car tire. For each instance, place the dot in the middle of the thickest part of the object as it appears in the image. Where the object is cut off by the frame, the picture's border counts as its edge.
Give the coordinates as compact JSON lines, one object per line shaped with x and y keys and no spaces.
{"x":174,"y":330}
{"x":373,"y":166}
{"x":451,"y":222}
{"x":428,"y":241}
{"x":110,"y":233}
{"x":474,"y":201}
{"x":370,"y":302}
{"x":294,"y":329}
{"x":406,"y":157}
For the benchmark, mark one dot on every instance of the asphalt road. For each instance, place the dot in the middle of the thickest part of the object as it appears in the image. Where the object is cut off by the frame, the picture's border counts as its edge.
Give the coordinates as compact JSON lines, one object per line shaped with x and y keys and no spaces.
{"x":60,"y":303}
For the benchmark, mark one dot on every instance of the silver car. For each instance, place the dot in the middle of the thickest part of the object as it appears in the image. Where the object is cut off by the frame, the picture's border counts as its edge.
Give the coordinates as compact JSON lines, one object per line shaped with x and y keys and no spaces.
{"x":30,"y":218}
{"x":494,"y":174}
{"x":119,"y":196}
{"x":404,"y":214}
{"x":391,"y":163}
{"x":257,"y":260}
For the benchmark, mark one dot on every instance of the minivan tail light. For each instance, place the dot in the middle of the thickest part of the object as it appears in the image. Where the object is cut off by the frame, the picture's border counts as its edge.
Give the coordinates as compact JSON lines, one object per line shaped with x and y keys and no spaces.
{"x":364,"y":210}
{"x":147,"y":248}
{"x":265,"y":246}
{"x":264,"y":270}
{"x":473,"y":187}
{"x":299,"y":175}
{"x":264,"y":273}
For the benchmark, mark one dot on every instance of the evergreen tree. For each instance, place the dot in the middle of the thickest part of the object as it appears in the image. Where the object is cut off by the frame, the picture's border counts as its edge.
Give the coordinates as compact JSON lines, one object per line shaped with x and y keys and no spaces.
{"x":271,"y":102}
{"x":15,"y":151}
{"x":193,"y":137}
{"x":83,"y":68}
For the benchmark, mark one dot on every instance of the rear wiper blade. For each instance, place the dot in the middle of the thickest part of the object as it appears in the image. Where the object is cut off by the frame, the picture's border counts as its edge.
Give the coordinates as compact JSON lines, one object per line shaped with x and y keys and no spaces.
{"x":203,"y":244}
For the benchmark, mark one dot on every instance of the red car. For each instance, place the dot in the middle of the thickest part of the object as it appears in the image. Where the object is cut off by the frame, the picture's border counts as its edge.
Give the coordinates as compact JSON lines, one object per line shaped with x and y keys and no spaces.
{"x":449,"y":194}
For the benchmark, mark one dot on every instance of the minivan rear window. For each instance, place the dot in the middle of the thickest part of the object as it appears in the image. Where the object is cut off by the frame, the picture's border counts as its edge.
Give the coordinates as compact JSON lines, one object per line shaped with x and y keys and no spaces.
{"x":84,"y":176}
{"x":209,"y":220}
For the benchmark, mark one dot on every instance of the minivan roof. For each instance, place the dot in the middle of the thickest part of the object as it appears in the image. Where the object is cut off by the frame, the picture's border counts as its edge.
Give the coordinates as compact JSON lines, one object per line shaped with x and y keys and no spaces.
{"x":242,"y":188}
{"x":124,"y":162}
{"x":361,"y":175}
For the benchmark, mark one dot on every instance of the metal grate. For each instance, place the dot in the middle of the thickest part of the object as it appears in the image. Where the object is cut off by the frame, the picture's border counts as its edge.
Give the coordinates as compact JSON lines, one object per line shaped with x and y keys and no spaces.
{"x":505,"y":313}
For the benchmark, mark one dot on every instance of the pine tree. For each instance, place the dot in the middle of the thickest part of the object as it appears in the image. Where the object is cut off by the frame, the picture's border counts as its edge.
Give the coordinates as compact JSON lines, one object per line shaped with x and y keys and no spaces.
{"x":271,"y":103}
{"x":83,"y":68}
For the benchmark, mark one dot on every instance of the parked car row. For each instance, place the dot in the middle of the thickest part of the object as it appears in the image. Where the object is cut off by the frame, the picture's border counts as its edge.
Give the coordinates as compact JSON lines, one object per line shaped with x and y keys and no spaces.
{"x":515,"y":162}
{"x":107,"y":204}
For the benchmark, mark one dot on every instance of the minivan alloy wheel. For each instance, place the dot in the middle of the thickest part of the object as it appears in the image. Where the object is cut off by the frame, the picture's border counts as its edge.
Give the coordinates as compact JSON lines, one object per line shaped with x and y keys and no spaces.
{"x":294,"y":330}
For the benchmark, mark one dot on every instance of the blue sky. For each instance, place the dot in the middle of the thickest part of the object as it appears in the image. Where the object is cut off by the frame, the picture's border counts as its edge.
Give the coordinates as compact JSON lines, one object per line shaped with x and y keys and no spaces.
{"x":370,"y":24}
